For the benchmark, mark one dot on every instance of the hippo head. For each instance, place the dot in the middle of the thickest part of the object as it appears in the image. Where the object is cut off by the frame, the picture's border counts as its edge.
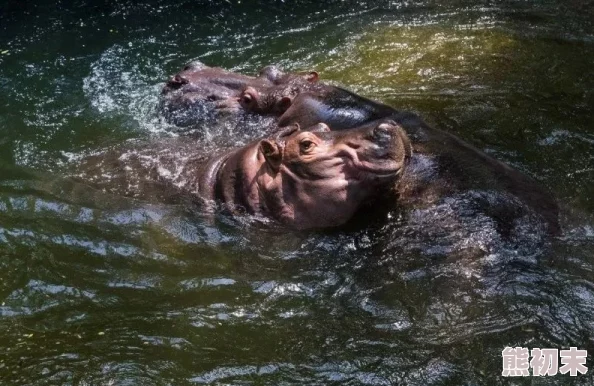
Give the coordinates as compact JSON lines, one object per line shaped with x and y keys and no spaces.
{"x":317,"y":178}
{"x":278,"y":98}
{"x":275,"y":100}
{"x":200,"y":90}
{"x":195,"y":76}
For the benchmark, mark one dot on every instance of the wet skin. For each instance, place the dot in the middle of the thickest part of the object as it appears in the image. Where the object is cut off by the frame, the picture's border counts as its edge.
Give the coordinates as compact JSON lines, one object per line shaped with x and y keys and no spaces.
{"x":306,"y":179}
{"x":442,"y":164}
{"x":199,"y":90}
{"x":444,"y":167}
{"x":309,"y":103}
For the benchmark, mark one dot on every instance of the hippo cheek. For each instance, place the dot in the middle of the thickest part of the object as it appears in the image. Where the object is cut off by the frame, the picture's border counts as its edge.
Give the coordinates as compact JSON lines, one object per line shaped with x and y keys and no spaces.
{"x":327,"y":202}
{"x":207,"y":92}
{"x":229,"y":105}
{"x":342,"y":203}
{"x":183,"y":100}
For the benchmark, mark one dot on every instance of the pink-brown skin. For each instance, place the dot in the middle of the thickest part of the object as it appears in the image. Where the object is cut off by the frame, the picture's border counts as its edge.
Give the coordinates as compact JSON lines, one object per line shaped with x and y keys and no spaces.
{"x":198,"y":83}
{"x":456,"y":167}
{"x":442,"y":164}
{"x":308,"y":179}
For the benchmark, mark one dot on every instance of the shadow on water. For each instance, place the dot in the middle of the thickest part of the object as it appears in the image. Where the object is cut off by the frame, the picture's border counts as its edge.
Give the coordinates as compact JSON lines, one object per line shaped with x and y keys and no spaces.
{"x":97,"y":288}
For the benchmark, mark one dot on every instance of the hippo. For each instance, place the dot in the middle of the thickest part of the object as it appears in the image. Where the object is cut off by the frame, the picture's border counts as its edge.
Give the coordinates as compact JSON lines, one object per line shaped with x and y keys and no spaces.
{"x":199,"y":91}
{"x":313,"y":178}
{"x":442,"y":165}
{"x":304,"y":179}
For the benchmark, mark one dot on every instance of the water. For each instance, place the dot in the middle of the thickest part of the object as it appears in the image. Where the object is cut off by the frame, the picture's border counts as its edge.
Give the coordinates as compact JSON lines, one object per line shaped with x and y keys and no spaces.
{"x":99,"y":289}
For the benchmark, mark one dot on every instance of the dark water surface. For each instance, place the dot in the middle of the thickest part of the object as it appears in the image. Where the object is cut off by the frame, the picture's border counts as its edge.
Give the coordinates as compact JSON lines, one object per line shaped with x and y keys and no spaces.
{"x":97,"y":289}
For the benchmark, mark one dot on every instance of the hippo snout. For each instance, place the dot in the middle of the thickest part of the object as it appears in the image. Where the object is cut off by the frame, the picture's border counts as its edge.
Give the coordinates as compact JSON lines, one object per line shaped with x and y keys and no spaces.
{"x":177,"y":81}
{"x":386,"y":136}
{"x":383,"y":133}
{"x":388,"y":141}
{"x":174,"y":83}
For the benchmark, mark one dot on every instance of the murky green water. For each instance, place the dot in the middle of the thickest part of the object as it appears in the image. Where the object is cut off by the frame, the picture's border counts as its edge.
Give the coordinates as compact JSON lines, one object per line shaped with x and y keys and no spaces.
{"x":97,"y":289}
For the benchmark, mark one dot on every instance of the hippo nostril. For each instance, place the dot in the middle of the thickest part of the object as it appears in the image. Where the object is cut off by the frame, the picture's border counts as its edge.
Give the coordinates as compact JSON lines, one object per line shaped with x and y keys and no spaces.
{"x":177,"y":81}
{"x":383,"y":132}
{"x":180,"y":79}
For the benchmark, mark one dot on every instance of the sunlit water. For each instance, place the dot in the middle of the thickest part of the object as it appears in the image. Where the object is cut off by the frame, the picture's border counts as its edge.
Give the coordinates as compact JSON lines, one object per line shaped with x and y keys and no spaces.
{"x":101,"y":289}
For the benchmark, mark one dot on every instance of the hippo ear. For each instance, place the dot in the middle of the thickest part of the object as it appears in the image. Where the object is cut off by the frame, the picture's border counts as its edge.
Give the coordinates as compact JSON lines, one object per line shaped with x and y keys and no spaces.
{"x":312,"y":77}
{"x":272,"y":153}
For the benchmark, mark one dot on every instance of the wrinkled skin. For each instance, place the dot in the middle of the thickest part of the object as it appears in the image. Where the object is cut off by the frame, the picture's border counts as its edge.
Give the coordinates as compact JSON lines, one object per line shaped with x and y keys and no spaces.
{"x":442,"y":165}
{"x":199,"y":91}
{"x":307,"y":179}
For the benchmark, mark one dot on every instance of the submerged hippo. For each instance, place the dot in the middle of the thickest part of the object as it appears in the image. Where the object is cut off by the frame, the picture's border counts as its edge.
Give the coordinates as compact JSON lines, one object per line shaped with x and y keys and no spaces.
{"x":198,"y":90}
{"x":314,"y":178}
{"x":309,"y":103}
{"x":442,"y":166}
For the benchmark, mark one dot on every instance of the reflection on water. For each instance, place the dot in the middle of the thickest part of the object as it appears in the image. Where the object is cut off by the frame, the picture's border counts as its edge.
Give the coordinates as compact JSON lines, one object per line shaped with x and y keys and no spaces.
{"x":97,"y":288}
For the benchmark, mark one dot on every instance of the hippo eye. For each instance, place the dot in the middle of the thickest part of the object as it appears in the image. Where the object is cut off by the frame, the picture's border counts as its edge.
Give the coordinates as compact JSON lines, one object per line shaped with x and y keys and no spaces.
{"x":306,"y":145}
